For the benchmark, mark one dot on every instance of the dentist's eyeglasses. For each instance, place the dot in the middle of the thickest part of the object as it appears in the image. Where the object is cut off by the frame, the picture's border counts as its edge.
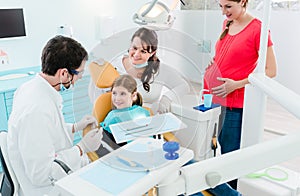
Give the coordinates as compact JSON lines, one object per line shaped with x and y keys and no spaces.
{"x":77,"y":72}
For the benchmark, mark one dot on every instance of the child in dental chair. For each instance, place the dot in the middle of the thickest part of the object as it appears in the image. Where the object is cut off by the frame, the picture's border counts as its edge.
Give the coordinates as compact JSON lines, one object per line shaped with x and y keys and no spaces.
{"x":126,"y":104}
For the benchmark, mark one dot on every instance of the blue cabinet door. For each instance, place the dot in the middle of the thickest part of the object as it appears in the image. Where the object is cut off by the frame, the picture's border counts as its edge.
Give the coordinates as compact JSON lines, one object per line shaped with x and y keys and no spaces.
{"x":3,"y":115}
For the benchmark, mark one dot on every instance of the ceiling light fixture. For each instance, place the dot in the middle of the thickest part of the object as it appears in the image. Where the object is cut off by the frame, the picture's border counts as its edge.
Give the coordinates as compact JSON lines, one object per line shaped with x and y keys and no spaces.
{"x":155,"y":15}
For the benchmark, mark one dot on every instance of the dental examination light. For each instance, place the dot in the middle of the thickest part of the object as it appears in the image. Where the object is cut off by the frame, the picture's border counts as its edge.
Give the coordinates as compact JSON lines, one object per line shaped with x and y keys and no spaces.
{"x":155,"y":15}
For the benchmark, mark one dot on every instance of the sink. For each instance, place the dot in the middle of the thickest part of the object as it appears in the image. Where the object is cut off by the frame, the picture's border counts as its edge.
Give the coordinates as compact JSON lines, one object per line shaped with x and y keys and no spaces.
{"x":14,"y":76}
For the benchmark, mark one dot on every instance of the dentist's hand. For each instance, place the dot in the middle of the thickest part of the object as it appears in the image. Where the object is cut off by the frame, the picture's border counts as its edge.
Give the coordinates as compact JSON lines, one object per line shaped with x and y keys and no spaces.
{"x":91,"y":141}
{"x":84,"y":122}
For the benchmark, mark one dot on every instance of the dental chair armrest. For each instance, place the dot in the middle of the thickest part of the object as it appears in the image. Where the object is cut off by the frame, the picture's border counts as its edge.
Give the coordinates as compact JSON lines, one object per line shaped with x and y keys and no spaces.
{"x":92,"y":155}
{"x":169,"y":136}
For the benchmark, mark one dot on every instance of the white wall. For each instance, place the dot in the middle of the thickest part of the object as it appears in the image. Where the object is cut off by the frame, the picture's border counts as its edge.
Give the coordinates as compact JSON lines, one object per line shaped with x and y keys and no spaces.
{"x":285,"y":33}
{"x":285,"y":30}
{"x":43,"y":17}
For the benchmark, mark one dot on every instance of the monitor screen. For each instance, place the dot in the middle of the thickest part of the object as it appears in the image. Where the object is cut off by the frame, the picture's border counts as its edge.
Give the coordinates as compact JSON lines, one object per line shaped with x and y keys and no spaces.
{"x":12,"y":23}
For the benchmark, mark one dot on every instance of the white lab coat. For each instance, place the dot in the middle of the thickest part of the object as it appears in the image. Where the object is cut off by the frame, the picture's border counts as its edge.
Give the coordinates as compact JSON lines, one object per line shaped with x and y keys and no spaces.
{"x":37,"y":134}
{"x":167,"y":82}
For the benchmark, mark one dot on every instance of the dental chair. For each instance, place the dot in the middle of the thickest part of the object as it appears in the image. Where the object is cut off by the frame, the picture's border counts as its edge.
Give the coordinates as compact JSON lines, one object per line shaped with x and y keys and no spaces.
{"x":9,"y":185}
{"x":103,"y":75}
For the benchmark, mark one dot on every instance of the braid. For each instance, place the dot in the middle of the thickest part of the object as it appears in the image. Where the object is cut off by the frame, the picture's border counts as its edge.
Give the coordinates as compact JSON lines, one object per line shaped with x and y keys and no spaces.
{"x":139,"y":100}
{"x":150,"y":71}
{"x":228,"y":23}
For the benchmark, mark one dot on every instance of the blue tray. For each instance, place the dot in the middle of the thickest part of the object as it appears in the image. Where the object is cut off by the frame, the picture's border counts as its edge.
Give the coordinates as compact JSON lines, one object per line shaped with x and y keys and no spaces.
{"x":203,"y":109}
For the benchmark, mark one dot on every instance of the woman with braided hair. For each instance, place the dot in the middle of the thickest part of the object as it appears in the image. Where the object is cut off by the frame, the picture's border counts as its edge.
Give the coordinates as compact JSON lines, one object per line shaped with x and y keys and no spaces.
{"x":236,"y":56}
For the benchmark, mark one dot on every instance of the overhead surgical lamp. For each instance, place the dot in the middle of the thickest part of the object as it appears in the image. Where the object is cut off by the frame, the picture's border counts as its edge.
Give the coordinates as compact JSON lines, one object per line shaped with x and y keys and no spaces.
{"x":155,"y":15}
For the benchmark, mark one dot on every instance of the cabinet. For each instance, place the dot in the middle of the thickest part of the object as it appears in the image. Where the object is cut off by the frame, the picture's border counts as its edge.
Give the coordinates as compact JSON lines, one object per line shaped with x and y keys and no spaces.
{"x":7,"y":88}
{"x":76,"y":103}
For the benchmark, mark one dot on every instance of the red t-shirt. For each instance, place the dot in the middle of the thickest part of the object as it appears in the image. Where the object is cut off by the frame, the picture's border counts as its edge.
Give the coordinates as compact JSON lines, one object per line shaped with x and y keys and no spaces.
{"x":235,"y":58}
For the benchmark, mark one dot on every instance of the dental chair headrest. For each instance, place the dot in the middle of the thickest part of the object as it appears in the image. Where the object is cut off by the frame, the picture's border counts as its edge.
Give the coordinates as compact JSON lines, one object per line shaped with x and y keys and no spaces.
{"x":103,"y":73}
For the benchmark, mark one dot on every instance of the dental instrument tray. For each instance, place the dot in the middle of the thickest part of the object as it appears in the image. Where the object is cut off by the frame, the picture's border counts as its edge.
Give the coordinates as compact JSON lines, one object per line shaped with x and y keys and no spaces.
{"x":144,"y":127}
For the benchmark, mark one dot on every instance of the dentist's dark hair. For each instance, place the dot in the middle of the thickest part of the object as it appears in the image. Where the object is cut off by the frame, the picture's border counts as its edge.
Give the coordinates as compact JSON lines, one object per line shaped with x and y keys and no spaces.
{"x":62,"y":52}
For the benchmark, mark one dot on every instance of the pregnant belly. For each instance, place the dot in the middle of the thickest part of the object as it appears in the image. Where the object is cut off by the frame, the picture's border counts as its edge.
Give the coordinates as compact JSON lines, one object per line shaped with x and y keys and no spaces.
{"x":210,"y":77}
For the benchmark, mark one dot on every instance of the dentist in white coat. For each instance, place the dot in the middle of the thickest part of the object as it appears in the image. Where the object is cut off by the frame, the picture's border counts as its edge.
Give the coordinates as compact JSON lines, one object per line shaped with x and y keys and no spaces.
{"x":40,"y":143}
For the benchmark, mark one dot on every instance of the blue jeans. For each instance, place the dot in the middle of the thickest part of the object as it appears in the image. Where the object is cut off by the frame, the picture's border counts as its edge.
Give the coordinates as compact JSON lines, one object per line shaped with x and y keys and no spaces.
{"x":220,"y":190}
{"x":230,"y":134}
{"x":223,"y":190}
{"x":231,"y":126}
